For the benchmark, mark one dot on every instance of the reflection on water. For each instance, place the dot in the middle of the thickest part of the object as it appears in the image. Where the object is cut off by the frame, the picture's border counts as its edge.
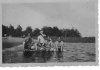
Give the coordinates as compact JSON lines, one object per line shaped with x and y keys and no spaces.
{"x":59,"y":56}
{"x":45,"y":56}
{"x":37,"y":56}
{"x":31,"y":56}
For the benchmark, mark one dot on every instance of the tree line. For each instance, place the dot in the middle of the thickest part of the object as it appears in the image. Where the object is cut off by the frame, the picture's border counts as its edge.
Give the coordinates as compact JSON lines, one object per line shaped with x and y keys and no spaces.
{"x":49,"y":31}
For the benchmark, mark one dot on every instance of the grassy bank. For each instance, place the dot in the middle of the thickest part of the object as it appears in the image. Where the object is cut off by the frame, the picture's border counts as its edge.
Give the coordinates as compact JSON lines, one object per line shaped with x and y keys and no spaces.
{"x":76,"y":40}
{"x":11,"y":42}
{"x":14,"y":41}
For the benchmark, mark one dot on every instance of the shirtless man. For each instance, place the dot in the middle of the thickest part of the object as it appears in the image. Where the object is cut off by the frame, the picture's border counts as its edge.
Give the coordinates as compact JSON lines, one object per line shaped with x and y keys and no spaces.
{"x":59,"y":45}
{"x":41,"y":40}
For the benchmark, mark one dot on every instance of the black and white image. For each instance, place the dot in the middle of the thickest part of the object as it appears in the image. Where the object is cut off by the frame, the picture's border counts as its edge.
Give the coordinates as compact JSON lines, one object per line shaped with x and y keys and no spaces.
{"x":49,"y":32}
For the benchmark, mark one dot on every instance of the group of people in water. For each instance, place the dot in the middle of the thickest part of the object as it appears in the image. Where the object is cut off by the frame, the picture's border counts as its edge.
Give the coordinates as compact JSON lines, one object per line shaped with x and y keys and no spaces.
{"x":43,"y":42}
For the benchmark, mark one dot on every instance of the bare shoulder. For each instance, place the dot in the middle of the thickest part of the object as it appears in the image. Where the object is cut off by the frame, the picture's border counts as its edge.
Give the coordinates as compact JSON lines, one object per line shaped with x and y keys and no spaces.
{"x":39,"y":36}
{"x":62,"y":42}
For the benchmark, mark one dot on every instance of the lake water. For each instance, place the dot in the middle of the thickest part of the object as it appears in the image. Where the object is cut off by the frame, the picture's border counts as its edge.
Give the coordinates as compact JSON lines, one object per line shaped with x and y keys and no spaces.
{"x":74,"y":52}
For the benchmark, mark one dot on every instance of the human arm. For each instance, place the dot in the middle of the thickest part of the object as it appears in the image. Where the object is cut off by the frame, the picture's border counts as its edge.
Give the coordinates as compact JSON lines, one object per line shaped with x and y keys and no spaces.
{"x":38,"y":39}
{"x":62,"y":45}
{"x":56,"y":46}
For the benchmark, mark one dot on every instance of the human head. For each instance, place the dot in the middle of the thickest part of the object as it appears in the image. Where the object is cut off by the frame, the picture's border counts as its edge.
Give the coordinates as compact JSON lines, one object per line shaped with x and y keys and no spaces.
{"x":29,"y":35}
{"x":48,"y":37}
{"x":59,"y":39}
{"x":41,"y":31}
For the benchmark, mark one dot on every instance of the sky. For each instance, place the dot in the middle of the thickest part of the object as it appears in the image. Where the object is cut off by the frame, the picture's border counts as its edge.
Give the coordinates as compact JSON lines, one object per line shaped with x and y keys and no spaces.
{"x":80,"y":14}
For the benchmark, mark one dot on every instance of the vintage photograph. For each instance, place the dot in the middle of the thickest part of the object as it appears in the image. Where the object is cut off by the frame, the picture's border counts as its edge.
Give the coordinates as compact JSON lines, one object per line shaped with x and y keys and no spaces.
{"x":49,"y":32}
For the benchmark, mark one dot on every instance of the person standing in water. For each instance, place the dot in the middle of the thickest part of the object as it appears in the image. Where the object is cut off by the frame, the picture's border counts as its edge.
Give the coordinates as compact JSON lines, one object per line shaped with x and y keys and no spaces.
{"x":41,"y":39}
{"x":49,"y":42}
{"x":59,"y":45}
{"x":28,"y":42}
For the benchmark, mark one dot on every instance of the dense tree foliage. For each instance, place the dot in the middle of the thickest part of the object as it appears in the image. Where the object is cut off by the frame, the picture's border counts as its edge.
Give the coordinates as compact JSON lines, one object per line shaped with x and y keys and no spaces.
{"x":36,"y":32}
{"x":18,"y":31}
{"x":27,"y":31}
{"x":5,"y":30}
{"x":49,"y":31}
